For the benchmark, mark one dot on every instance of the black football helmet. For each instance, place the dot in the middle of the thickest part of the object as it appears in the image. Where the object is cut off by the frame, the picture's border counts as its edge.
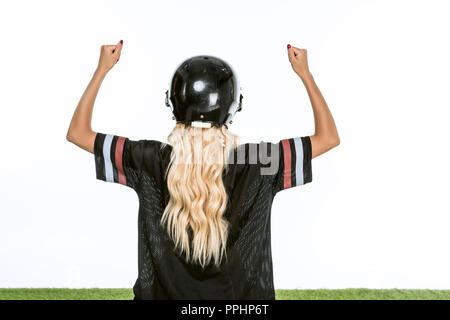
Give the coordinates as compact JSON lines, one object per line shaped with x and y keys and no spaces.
{"x":204,"y":91}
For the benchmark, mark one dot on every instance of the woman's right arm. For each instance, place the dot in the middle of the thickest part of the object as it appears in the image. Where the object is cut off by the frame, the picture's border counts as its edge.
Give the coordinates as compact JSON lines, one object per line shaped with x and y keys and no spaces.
{"x":80,"y":132}
{"x":325,"y":136}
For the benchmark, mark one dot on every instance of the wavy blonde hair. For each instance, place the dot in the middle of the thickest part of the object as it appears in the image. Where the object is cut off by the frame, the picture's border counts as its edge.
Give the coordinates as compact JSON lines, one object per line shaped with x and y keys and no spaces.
{"x":198,"y":198}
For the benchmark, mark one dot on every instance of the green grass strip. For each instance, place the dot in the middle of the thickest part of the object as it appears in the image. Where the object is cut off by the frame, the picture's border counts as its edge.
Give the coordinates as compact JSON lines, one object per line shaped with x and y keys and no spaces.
{"x":363,"y":294}
{"x":320,"y":294}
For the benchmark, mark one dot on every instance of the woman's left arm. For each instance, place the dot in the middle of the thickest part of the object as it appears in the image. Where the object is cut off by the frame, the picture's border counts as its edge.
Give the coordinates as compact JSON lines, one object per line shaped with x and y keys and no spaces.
{"x":80,"y":131}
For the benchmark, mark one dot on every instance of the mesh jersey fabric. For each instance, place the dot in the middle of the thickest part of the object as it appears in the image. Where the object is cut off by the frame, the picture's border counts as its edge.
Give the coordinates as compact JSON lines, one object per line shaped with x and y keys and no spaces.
{"x":247,"y":272}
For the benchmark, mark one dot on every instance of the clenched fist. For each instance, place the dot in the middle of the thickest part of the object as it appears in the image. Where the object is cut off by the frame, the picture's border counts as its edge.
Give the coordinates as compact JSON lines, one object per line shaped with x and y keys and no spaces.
{"x":299,"y":61}
{"x":109,"y":55}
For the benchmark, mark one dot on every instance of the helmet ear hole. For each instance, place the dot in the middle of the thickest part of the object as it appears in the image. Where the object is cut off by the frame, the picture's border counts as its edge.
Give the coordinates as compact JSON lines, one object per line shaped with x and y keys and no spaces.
{"x":167,"y":98}
{"x":240,"y":103}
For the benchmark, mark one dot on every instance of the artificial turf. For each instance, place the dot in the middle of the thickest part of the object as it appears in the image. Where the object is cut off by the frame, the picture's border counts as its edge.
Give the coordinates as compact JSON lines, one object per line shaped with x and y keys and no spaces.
{"x":320,"y":294}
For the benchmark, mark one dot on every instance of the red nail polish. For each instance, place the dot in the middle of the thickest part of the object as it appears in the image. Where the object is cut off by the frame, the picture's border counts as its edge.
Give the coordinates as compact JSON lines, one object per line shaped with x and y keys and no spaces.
{"x":289,"y":46}
{"x":121,"y":41}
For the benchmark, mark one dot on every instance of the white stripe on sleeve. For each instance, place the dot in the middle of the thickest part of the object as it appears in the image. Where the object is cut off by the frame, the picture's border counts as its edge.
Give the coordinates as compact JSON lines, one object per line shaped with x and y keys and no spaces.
{"x":298,"y":161}
{"x":107,"y":156}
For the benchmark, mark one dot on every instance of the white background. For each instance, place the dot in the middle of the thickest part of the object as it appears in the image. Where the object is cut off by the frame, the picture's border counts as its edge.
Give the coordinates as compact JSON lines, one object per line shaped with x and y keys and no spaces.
{"x":376,"y":214}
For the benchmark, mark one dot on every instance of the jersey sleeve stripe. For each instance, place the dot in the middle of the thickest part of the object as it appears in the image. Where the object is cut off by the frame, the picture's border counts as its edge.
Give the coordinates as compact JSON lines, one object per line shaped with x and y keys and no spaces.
{"x":293,"y":161}
{"x":119,"y":154}
{"x":299,"y":165}
{"x":109,"y":174}
{"x":112,"y":156}
{"x":307,"y":156}
{"x":287,"y":163}
{"x":98,"y":153}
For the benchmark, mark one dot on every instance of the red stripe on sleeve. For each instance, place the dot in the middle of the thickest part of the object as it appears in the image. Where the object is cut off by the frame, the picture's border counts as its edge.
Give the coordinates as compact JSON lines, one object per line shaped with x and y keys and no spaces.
{"x":119,"y":152}
{"x":287,"y":163}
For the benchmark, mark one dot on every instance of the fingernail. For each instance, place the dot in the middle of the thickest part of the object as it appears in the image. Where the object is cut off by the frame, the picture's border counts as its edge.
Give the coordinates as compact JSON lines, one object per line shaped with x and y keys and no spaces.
{"x":121,"y":41}
{"x":289,"y":46}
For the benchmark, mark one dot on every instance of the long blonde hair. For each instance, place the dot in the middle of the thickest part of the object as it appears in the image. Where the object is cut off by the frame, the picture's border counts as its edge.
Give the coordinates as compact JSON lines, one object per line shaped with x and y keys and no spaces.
{"x":198,"y":198}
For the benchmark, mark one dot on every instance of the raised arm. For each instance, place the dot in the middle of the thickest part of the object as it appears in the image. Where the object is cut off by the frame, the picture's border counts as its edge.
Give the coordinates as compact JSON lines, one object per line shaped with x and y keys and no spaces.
{"x":80,"y":132}
{"x":325,"y":136}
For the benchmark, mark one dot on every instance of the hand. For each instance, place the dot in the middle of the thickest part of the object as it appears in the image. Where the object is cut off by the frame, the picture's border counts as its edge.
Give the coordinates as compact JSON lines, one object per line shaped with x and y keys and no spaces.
{"x":299,"y":61}
{"x":109,"y":55}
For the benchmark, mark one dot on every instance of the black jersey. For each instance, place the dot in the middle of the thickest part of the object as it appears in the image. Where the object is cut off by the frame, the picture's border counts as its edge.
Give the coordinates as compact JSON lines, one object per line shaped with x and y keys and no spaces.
{"x":247,"y":272}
